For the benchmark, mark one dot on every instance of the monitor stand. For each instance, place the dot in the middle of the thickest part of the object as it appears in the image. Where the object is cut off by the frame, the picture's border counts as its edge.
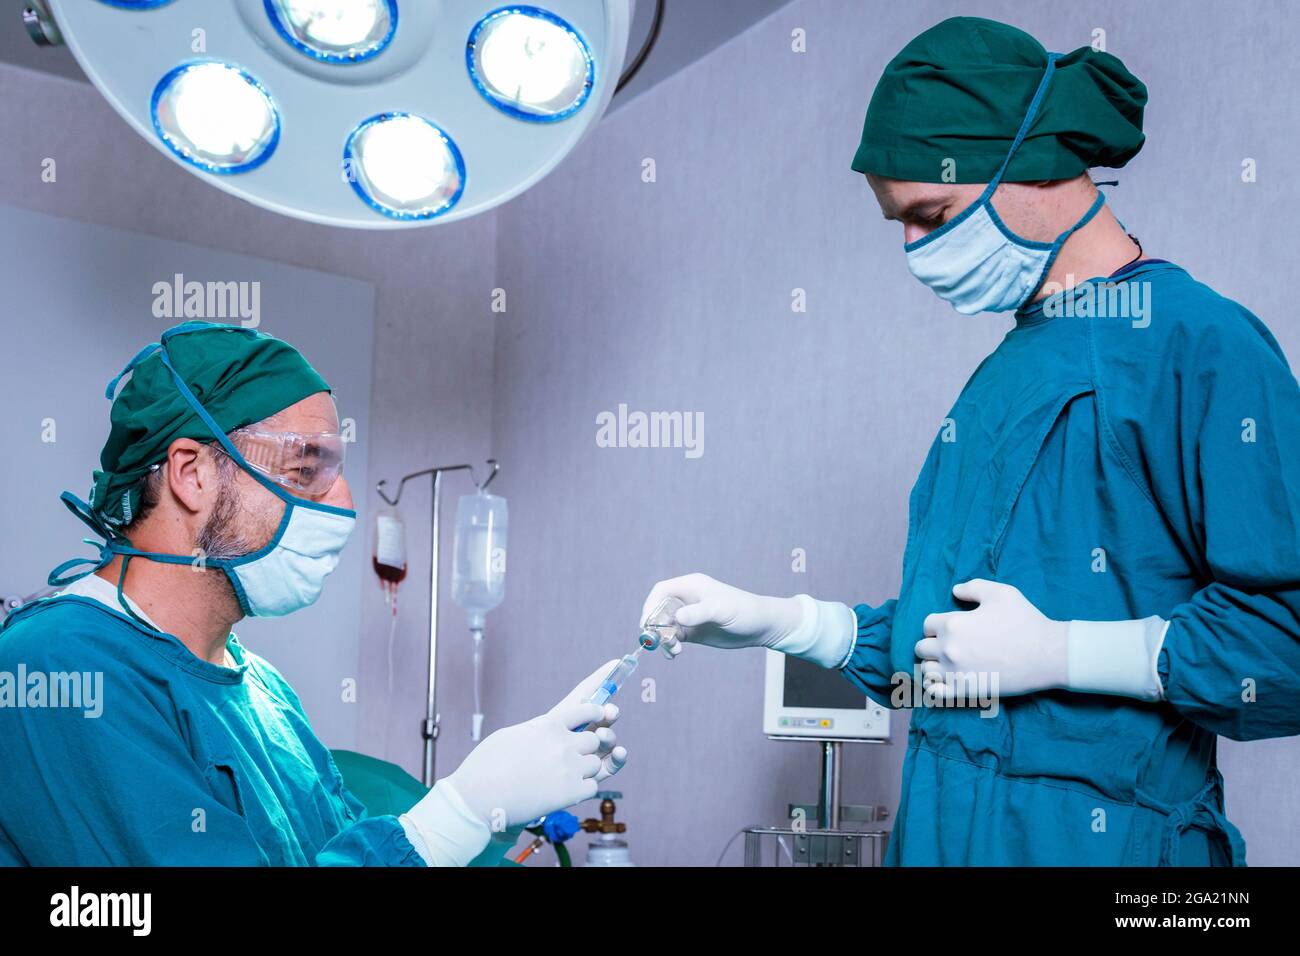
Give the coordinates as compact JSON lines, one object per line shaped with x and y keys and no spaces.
{"x":827,"y":841}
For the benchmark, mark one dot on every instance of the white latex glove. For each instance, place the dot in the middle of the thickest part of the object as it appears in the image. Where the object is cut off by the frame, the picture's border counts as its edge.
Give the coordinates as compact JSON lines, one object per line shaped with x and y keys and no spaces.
{"x":720,"y":615}
{"x":1005,"y":636}
{"x":522,"y":772}
{"x":1029,"y":652}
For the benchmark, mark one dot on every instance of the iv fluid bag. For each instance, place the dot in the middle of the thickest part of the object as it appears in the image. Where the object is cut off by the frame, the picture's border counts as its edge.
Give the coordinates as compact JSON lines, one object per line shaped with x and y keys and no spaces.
{"x":478,"y":574}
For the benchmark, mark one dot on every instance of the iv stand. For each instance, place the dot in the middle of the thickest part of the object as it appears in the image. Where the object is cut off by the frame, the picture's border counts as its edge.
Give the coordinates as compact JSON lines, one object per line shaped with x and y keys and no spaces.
{"x":429,"y":726}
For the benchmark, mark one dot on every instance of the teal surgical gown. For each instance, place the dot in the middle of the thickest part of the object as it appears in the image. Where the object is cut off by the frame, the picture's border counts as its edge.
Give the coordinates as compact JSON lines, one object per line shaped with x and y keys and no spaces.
{"x":1111,"y":468}
{"x":187,"y":764}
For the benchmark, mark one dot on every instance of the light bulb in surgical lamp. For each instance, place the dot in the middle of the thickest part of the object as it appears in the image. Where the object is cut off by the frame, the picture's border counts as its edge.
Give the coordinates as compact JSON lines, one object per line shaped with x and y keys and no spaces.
{"x":530,"y":64}
{"x":216,"y":116}
{"x":336,"y":31}
{"x":404,"y":166}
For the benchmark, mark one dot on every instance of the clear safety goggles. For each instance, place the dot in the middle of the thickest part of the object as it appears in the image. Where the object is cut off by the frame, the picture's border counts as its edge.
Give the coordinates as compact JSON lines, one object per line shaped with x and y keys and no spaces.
{"x":306,"y":463}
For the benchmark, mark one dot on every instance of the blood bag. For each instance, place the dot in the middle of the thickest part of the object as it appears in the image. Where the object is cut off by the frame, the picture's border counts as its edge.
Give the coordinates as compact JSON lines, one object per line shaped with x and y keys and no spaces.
{"x":389,"y":556}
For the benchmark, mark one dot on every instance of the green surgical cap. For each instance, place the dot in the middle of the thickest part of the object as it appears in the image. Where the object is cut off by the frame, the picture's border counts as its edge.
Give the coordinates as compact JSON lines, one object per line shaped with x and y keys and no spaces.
{"x":239,"y":376}
{"x":948,"y":108}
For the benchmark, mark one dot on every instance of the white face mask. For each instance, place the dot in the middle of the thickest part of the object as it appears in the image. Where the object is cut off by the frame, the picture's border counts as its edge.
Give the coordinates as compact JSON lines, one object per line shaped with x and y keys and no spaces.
{"x":979,"y":265}
{"x":974,"y":261}
{"x":288,"y":574}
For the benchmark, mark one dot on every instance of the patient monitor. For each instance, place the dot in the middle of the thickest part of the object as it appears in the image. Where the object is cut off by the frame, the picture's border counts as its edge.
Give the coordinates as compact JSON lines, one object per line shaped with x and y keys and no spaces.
{"x":803,"y":700}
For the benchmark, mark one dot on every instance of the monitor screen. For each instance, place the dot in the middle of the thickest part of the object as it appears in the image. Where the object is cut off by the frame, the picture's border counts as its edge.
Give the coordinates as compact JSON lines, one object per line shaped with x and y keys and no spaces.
{"x":807,"y":685}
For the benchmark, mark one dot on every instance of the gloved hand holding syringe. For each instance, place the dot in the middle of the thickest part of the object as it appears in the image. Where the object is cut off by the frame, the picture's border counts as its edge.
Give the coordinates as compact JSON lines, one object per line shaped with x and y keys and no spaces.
{"x":660,"y":630}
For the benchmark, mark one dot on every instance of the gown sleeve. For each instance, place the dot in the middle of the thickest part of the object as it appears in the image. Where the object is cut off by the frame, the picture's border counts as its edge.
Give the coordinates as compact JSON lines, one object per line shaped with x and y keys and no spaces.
{"x":380,"y":840}
{"x":371,"y":841}
{"x":868,"y":663}
{"x":1213,"y":433}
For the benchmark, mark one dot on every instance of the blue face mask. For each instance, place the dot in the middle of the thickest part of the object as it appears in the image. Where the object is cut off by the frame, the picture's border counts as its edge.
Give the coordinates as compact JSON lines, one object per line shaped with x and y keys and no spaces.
{"x":974,"y":262}
{"x":283,"y":576}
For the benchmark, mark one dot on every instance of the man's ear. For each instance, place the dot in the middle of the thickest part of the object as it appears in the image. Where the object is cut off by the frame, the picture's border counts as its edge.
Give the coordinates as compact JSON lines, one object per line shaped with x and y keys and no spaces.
{"x":191,"y":474}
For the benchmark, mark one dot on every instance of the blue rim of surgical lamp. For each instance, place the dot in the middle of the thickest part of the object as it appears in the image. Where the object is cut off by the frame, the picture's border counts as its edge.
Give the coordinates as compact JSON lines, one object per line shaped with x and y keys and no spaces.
{"x":136,"y":4}
{"x":262,"y":156}
{"x":273,"y":13}
{"x":508,"y":108}
{"x":389,"y":211}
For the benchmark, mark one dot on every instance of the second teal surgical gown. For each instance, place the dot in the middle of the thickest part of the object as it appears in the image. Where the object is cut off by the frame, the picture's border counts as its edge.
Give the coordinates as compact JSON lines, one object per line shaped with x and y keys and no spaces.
{"x":186,"y":763}
{"x":1111,"y":468}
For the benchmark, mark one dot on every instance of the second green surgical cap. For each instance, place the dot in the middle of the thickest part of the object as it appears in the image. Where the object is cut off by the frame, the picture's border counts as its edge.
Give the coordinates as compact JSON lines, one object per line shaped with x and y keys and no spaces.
{"x":240,"y":376}
{"x":949,"y":105}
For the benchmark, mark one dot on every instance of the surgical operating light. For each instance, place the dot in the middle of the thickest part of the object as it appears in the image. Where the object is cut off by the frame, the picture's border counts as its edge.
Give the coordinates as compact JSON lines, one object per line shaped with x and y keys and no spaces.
{"x":332,"y":31}
{"x":374,"y":114}
{"x":530,"y":64}
{"x":215,"y":116}
{"x":404,"y":166}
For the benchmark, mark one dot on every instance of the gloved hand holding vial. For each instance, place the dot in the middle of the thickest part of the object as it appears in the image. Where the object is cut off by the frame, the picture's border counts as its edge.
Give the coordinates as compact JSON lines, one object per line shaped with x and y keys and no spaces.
{"x":659,"y":630}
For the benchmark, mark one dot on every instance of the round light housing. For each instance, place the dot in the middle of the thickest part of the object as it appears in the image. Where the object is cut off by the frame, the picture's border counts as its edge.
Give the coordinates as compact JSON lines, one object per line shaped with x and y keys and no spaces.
{"x":215,"y":116}
{"x":308,"y":109}
{"x":404,"y":166}
{"x":530,"y":63}
{"x":335,"y":31}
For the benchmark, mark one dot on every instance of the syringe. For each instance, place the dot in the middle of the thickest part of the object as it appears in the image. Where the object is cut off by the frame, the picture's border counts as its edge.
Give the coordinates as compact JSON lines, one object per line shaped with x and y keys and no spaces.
{"x":619,"y":673}
{"x":615,"y":678}
{"x":657,"y":632}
